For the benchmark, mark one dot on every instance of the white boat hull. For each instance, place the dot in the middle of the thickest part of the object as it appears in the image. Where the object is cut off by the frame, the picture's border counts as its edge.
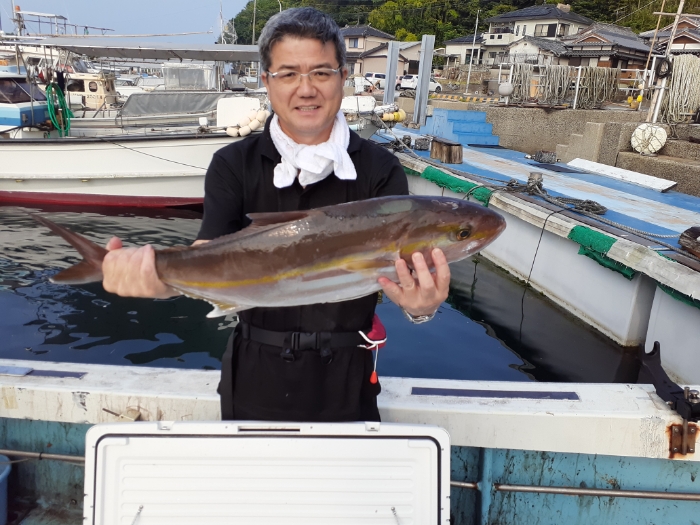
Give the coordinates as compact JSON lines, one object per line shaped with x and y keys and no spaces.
{"x":153,"y":171}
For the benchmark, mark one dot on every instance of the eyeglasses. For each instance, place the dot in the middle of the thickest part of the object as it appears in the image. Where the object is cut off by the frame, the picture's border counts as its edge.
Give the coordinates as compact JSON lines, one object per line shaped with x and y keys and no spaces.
{"x":316,"y":76}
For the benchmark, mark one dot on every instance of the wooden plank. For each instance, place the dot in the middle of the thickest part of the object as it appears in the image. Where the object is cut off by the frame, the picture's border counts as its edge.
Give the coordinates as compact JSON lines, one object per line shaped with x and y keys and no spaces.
{"x":633,"y":177}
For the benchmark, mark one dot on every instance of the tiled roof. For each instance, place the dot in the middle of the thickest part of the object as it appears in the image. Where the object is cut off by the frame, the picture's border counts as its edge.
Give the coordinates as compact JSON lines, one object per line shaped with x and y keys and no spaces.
{"x":537,"y":12}
{"x":468,"y":39}
{"x":385,"y":45}
{"x":622,"y":36}
{"x":553,"y":46}
{"x":357,"y":31}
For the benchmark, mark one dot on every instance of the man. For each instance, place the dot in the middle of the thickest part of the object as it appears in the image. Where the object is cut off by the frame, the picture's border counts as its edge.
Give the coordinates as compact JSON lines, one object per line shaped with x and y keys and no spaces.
{"x":299,"y":363}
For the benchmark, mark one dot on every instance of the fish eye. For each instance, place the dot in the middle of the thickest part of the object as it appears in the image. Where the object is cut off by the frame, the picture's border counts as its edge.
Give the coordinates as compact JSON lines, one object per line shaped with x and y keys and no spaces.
{"x":463,"y":234}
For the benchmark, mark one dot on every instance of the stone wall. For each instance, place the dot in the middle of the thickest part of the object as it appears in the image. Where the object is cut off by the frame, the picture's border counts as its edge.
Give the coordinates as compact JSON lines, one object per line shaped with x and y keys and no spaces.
{"x":533,"y":129}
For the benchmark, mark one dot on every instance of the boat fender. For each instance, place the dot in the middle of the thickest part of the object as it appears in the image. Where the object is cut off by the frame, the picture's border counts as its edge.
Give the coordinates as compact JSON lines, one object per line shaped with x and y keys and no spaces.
{"x":253,"y":114}
{"x":261,"y":116}
{"x":244,"y":122}
{"x":232,"y":131}
{"x":402,"y":113}
{"x":254,"y":124}
{"x":244,"y":131}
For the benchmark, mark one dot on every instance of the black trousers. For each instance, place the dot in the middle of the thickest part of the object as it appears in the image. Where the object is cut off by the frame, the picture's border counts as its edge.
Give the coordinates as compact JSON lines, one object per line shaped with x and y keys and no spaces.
{"x":258,"y":384}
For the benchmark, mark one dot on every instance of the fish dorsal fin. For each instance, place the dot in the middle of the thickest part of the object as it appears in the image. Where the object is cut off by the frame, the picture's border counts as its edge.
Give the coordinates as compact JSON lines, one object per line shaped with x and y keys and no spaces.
{"x":280,"y":217}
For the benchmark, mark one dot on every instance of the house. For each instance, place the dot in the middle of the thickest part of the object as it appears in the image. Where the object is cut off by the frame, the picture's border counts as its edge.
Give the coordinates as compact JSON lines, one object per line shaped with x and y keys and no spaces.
{"x":461,"y":47}
{"x":359,"y":39}
{"x":535,"y":50}
{"x":607,"y":45}
{"x":541,"y":21}
{"x":687,"y":39}
{"x":375,"y":59}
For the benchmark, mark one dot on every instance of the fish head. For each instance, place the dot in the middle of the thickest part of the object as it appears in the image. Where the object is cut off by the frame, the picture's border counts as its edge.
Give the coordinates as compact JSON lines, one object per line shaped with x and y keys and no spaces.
{"x":459,"y":228}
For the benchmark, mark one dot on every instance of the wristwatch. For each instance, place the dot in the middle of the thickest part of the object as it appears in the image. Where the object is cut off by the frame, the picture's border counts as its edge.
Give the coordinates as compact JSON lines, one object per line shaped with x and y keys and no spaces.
{"x":418,"y":319}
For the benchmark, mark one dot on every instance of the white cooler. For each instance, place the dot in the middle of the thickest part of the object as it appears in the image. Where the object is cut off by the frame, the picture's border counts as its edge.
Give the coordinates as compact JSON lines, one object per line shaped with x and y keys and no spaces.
{"x":158,"y":473}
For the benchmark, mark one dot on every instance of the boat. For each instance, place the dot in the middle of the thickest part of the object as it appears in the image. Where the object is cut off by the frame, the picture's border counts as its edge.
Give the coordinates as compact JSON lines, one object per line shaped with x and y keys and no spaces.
{"x":615,"y":275}
{"x":519,"y":452}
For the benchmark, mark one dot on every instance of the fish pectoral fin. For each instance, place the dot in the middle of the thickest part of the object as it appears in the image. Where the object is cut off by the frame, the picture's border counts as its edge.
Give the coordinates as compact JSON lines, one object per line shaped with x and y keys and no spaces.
{"x":221,"y":309}
{"x":267,"y":219}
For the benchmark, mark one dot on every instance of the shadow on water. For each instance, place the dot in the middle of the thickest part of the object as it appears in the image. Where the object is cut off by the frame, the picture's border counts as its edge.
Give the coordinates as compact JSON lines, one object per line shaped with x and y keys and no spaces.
{"x":555,"y":345}
{"x":474,"y":336}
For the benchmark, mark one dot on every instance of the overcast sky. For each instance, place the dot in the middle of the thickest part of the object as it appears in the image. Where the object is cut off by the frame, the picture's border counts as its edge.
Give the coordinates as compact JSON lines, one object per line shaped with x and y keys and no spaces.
{"x":135,"y":16}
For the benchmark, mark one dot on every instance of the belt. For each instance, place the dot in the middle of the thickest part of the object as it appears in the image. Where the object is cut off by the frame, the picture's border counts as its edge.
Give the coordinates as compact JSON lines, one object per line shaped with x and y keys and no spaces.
{"x":294,"y":341}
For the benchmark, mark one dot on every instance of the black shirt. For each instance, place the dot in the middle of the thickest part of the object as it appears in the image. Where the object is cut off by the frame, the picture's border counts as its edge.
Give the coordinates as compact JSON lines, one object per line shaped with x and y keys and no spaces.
{"x":240,"y":181}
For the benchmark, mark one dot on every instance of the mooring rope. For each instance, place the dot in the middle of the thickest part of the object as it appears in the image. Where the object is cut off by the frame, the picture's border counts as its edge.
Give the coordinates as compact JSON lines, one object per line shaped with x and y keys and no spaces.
{"x":683,"y":94}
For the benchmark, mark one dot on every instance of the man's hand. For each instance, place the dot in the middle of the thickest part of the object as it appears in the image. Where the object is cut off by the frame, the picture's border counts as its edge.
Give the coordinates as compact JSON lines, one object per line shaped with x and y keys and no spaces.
{"x":131,"y":272}
{"x":423,"y":295}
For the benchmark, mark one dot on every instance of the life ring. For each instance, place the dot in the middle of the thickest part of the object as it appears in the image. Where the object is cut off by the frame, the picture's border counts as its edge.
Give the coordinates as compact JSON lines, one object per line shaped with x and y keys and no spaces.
{"x":663,"y":68}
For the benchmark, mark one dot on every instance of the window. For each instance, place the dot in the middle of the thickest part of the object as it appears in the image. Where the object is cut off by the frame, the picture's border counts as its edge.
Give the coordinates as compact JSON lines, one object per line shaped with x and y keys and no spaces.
{"x":93,"y":86}
{"x":500,"y":37}
{"x":524,"y":29}
{"x":380,"y":75}
{"x":353,"y":42}
{"x":16,"y":91}
{"x":491,"y":37}
{"x":517,"y":30}
{"x":563,"y":30}
{"x":546,"y":30}
{"x":492,"y":54}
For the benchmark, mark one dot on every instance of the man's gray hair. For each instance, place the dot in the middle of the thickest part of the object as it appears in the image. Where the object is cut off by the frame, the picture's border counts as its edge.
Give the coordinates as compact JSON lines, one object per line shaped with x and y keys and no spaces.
{"x":300,"y":22}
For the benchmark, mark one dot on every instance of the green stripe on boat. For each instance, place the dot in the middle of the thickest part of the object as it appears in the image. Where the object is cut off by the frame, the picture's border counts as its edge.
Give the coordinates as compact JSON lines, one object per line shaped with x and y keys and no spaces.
{"x":452,"y":183}
{"x":680,"y":296}
{"x":595,"y":245}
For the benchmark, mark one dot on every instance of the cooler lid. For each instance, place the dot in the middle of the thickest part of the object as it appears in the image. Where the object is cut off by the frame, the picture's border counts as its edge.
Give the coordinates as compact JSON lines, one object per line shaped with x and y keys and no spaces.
{"x":148,"y":473}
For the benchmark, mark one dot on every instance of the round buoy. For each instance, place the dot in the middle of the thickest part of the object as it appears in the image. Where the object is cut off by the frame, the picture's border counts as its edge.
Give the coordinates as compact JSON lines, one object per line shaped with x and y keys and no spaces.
{"x":244,"y":122}
{"x":254,"y":124}
{"x":648,"y":138}
{"x":505,"y":89}
{"x":232,"y":131}
{"x":245,"y":130}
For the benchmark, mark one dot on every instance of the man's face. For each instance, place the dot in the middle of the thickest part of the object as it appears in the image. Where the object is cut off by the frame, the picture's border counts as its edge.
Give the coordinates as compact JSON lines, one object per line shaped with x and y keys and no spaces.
{"x":306,"y":109}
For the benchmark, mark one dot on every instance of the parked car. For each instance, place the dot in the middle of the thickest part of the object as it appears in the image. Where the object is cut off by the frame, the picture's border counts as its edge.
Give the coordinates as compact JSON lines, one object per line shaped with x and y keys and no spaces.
{"x":411,"y":82}
{"x":378,"y":80}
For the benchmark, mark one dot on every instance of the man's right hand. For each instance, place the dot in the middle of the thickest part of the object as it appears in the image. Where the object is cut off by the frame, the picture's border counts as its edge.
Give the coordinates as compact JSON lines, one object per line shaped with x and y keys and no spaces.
{"x":131,"y":272}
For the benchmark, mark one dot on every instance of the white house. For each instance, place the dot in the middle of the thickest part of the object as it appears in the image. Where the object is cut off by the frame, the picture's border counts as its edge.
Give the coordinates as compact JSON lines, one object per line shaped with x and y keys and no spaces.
{"x":541,"y":21}
{"x":462,"y":47}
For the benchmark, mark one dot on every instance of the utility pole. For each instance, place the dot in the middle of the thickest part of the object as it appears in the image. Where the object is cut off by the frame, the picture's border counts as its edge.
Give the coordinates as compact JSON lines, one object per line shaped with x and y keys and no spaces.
{"x":471,"y":58}
{"x":255,"y":5}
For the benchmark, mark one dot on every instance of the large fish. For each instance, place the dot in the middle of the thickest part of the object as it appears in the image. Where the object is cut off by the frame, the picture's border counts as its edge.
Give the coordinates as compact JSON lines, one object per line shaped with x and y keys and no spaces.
{"x":324,"y":255}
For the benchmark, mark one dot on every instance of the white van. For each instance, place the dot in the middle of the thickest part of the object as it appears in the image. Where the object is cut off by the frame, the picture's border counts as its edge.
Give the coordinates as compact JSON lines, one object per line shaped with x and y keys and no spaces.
{"x":411,"y":82}
{"x":378,"y":80}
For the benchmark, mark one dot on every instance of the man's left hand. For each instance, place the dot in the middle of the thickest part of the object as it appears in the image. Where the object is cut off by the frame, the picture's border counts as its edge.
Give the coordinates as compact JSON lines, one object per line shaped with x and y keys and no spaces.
{"x":423,"y":294}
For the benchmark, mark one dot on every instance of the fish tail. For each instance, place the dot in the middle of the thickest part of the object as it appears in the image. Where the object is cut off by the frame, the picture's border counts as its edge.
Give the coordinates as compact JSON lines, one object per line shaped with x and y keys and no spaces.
{"x":86,"y":271}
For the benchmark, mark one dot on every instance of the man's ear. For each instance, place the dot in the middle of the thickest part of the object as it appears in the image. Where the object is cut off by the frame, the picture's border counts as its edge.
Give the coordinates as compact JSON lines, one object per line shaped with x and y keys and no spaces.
{"x":344,"y":73}
{"x":265,"y":80}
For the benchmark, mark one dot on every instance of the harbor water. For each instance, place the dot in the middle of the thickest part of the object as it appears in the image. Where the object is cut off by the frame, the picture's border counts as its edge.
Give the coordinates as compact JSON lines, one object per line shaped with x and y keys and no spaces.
{"x":491,"y":327}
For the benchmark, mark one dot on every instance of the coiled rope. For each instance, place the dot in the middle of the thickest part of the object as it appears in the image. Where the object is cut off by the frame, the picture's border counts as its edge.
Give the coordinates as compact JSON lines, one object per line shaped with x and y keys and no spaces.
{"x":59,"y":112}
{"x":683,"y":93}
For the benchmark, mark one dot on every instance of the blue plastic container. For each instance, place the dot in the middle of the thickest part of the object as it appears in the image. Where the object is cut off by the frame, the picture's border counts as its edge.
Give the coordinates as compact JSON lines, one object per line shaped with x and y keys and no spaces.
{"x":5,"y":468}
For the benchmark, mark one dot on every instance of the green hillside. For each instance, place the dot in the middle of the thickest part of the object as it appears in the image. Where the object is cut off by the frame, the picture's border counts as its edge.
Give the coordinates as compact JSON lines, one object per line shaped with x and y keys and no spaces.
{"x":446,"y":19}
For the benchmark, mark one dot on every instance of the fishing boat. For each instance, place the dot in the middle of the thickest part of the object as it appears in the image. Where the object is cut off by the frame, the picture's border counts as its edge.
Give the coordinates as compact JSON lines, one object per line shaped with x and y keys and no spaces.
{"x":518,"y":452}
{"x":608,"y":269}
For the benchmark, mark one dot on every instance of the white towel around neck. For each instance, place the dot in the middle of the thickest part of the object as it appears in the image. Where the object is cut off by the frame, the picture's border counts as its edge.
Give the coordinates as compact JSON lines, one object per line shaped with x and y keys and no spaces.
{"x":313,"y":163}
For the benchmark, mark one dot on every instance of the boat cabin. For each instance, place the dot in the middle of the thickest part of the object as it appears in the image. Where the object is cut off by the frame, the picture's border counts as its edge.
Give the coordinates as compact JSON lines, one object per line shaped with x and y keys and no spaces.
{"x":21,"y":103}
{"x":91,"y":90}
